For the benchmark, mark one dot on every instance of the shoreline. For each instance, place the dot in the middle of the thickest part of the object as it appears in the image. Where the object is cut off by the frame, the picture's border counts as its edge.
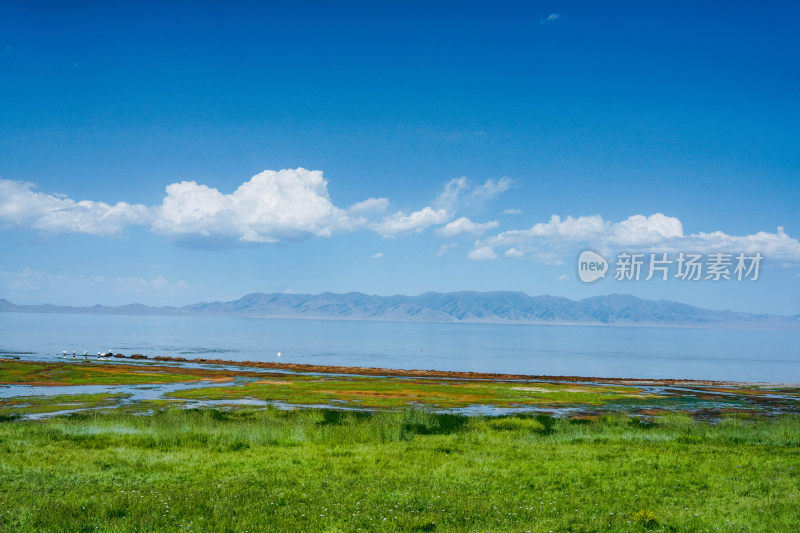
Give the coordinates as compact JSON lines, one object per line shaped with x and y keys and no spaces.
{"x":449,"y":374}
{"x":205,"y":381}
{"x":787,"y":324}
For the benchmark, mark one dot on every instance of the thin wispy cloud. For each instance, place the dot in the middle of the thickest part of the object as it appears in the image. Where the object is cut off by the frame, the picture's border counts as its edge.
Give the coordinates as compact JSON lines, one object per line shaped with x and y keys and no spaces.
{"x":552,"y":17}
{"x":445,"y":248}
{"x":459,"y":193}
{"x":39,"y":282}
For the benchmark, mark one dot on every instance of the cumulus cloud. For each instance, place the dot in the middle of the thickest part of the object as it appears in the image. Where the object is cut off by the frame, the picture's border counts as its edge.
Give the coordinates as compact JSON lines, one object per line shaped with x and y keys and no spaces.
{"x":415,"y":222}
{"x":369,"y":206}
{"x":22,"y":206}
{"x":465,"y":225}
{"x":293,"y":204}
{"x":377,"y":255}
{"x":547,"y":241}
{"x":640,"y":230}
{"x":635,"y":230}
{"x":270,"y":207}
{"x":776,"y":245}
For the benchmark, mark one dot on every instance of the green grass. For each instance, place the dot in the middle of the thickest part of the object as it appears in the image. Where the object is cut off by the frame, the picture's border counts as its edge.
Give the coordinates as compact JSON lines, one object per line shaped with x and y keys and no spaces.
{"x":21,"y":405}
{"x":18,"y":372}
{"x":401,"y":470}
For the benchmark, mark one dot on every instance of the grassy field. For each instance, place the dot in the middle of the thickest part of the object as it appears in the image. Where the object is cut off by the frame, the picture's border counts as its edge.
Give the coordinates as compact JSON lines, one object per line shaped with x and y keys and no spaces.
{"x":407,"y":470}
{"x":620,"y":458}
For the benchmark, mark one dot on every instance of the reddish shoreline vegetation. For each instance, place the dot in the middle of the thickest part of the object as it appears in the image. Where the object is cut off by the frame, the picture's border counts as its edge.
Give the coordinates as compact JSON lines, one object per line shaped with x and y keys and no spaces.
{"x":234,"y":384}
{"x":376,"y":371}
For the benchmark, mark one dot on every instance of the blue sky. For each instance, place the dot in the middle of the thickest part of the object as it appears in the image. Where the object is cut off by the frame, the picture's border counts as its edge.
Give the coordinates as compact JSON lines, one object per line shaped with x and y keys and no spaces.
{"x":490,"y":117}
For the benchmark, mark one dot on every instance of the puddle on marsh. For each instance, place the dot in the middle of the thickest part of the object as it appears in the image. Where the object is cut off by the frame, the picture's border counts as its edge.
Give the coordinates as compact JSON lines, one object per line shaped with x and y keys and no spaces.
{"x":697,"y":401}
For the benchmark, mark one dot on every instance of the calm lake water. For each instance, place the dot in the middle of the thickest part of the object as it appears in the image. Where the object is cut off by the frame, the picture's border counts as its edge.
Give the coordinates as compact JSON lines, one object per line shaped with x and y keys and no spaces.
{"x":696,"y":353}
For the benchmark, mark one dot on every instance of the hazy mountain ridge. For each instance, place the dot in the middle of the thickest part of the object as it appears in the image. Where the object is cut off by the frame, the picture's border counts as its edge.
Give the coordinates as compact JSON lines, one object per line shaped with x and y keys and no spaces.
{"x":464,"y":306}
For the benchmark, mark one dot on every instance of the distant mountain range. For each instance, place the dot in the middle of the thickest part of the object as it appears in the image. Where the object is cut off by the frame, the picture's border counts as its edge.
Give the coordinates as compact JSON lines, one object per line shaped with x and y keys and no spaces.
{"x":466,"y":306}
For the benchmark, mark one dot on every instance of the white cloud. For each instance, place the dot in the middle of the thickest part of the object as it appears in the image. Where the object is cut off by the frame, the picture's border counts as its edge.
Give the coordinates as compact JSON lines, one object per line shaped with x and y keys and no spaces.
{"x":272,"y":206}
{"x":485,"y":252}
{"x":414,"y":222}
{"x":465,"y":225}
{"x":294,"y":204}
{"x":456,"y":193}
{"x":370,"y":205}
{"x":636,"y":229}
{"x":640,"y":230}
{"x":377,"y":255}
{"x":512,"y":211}
{"x":562,"y":277}
{"x":21,"y":206}
{"x":776,"y":245}
{"x":549,"y":240}
{"x":570,"y":228}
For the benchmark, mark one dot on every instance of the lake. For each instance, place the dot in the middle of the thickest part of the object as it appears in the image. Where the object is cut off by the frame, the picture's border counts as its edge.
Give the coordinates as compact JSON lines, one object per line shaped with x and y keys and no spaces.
{"x":601,"y":351}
